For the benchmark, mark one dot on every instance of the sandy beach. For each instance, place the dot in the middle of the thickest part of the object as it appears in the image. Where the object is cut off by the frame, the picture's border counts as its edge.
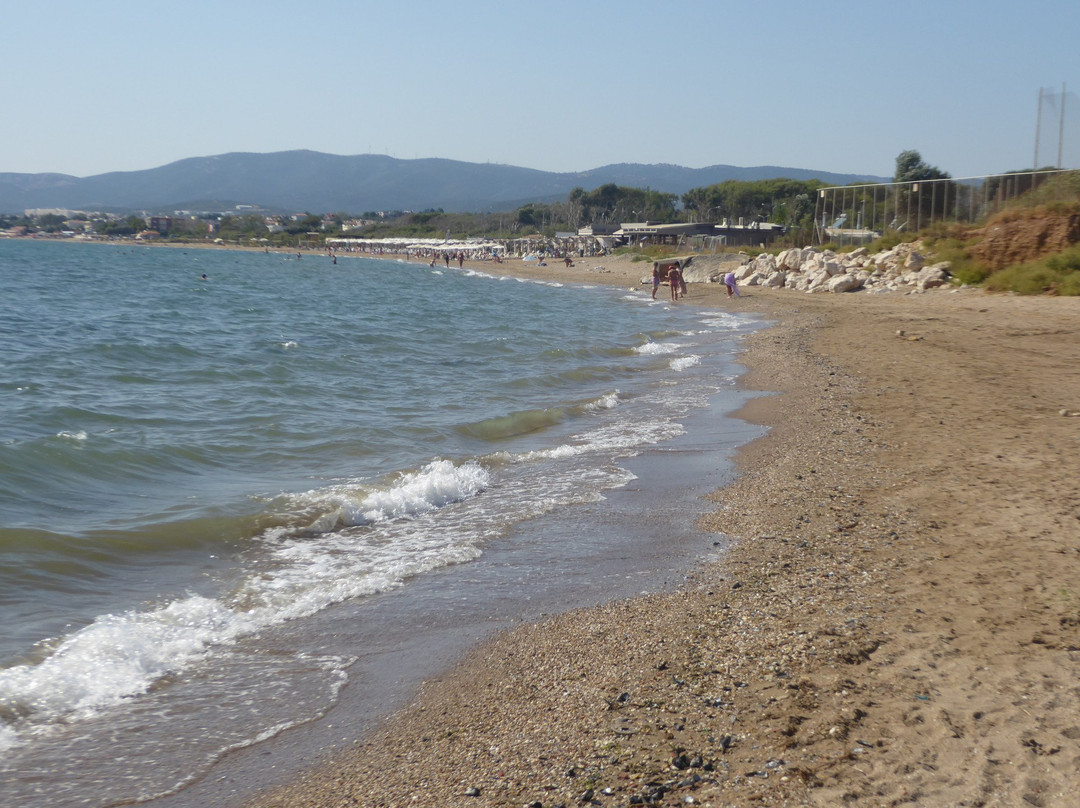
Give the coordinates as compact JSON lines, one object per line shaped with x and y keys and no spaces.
{"x":897,"y":623}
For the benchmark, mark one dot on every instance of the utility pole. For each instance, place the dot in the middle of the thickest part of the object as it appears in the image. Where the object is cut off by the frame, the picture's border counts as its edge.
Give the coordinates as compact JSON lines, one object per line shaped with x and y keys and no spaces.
{"x":1038,"y":126}
{"x":1061,"y":124}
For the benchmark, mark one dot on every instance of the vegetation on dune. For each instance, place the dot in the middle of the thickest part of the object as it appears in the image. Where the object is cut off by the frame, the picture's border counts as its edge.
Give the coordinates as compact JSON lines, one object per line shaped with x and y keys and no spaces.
{"x":1057,"y":274}
{"x":1030,"y":247}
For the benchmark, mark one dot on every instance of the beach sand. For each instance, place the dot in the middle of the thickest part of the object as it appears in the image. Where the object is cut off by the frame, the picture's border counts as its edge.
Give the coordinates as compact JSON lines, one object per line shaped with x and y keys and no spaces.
{"x":898,"y":621}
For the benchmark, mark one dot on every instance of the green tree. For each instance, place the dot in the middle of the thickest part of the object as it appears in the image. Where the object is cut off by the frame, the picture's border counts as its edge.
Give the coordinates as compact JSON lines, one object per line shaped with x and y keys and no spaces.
{"x":927,"y":195}
{"x":121,"y":227}
{"x":309,"y":222}
{"x":910,"y":167}
{"x":758,"y":200}
{"x":51,"y":223}
{"x":526,"y":216}
{"x":248,"y":226}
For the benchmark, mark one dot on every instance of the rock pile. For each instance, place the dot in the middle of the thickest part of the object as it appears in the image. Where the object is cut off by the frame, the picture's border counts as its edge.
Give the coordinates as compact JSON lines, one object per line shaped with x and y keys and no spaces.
{"x":902,"y":268}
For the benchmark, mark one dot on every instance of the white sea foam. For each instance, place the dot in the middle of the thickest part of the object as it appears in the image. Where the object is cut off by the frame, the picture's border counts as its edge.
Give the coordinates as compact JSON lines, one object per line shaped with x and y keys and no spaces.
{"x":79,"y":436}
{"x":434,"y":486}
{"x":9,"y":739}
{"x":684,"y":362}
{"x":657,"y":348}
{"x":120,"y":656}
{"x":605,"y":402}
{"x":723,"y":320}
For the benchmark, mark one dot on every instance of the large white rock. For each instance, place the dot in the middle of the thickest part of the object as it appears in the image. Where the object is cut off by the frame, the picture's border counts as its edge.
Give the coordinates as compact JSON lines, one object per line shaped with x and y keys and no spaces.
{"x":775,"y":280}
{"x":792,"y":259}
{"x":817,"y":280}
{"x":844,"y":283}
{"x":744,"y":272}
{"x":933,"y":276}
{"x":813,"y":263}
{"x":766,"y":263}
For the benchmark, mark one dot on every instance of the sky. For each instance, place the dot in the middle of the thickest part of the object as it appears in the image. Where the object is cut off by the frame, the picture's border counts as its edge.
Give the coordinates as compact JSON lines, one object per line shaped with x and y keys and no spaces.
{"x":560,"y":85}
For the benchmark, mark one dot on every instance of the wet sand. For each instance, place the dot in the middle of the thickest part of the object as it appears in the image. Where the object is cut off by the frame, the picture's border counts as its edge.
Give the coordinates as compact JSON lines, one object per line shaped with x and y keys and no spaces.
{"x":898,"y":621}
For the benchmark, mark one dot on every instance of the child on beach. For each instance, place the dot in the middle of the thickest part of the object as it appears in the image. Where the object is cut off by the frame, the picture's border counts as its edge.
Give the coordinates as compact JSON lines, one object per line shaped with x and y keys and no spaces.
{"x":674,"y":281}
{"x":732,"y":287}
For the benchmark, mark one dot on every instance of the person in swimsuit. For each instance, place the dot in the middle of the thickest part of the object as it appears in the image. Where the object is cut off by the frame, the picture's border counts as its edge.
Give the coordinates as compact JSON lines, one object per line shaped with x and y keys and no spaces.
{"x":674,"y":278}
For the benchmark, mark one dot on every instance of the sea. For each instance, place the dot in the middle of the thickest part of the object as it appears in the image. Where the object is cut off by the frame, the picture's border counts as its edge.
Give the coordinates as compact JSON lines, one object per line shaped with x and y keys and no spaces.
{"x":250,"y":500}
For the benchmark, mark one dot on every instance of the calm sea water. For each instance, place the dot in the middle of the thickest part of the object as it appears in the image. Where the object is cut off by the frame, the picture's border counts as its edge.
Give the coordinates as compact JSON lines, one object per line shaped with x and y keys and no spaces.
{"x":192,"y":468}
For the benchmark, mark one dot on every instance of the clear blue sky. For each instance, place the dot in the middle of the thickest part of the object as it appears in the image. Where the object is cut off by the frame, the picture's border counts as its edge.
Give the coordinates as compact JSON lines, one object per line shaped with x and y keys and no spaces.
{"x":834,"y":85}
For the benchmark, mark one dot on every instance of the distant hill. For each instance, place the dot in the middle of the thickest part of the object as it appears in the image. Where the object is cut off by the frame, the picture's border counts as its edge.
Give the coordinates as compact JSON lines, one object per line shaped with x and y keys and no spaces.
{"x":314,"y":182}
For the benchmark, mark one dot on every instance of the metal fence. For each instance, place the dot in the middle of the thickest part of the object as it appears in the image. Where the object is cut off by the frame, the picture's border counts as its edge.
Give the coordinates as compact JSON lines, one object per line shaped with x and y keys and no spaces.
{"x":856,"y":214}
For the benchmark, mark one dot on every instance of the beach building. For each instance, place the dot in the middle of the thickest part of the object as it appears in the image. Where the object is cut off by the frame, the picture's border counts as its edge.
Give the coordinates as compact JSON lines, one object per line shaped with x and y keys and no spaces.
{"x":699,"y":235}
{"x":752,"y":234}
{"x":643,"y":233}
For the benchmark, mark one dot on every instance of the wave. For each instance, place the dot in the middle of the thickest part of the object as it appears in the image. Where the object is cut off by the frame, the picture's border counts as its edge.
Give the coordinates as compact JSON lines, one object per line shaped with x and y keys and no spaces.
{"x":657,"y":348}
{"x":436,"y":485}
{"x":536,"y":420}
{"x":606,"y":402}
{"x":514,"y":424}
{"x":119,"y":656}
{"x":684,"y":362}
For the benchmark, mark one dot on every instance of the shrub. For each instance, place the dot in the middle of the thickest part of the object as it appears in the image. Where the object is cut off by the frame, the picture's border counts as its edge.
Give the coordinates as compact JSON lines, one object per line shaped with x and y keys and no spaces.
{"x":1057,"y":274}
{"x":1058,"y":190}
{"x":949,"y":247}
{"x":888,"y":241}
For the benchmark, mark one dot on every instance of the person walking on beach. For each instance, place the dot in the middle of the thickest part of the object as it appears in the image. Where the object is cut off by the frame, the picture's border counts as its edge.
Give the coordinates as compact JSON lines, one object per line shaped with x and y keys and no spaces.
{"x":655,"y":278}
{"x":674,"y":279}
{"x":732,"y":287}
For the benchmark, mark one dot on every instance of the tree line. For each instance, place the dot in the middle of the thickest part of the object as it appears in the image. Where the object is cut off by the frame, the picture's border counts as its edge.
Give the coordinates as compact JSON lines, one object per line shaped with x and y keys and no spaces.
{"x":788,"y":202}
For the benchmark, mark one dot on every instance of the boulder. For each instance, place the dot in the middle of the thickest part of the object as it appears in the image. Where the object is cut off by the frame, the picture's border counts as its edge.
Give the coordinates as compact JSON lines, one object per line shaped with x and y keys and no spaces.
{"x":813,"y":262}
{"x":793,"y":259}
{"x":817,"y":280}
{"x":933,"y":276}
{"x":844,"y":283}
{"x":745,"y":271}
{"x":776,"y":280}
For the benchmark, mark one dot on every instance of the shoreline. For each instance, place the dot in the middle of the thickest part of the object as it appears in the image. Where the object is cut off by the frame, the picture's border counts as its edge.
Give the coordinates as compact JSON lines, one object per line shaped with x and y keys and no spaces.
{"x":896,"y":621}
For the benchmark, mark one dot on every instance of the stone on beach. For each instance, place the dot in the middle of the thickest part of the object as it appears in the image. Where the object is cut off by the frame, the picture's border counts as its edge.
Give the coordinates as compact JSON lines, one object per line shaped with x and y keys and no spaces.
{"x":809,"y":269}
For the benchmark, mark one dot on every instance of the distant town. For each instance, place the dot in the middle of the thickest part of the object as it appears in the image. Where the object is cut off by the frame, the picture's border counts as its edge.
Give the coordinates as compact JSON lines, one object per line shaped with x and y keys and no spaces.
{"x":181,"y":225}
{"x":244,"y":227}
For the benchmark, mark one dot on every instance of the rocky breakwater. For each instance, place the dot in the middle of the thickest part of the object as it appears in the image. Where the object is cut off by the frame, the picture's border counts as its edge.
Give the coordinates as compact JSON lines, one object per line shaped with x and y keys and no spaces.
{"x":901,"y":269}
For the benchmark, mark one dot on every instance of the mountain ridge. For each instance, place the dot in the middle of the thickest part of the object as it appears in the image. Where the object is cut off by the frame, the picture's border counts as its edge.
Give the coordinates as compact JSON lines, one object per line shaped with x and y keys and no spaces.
{"x":305,"y":180}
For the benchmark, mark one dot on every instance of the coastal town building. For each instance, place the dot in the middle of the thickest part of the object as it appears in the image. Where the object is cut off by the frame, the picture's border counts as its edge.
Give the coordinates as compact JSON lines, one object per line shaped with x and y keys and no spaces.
{"x":700,"y":235}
